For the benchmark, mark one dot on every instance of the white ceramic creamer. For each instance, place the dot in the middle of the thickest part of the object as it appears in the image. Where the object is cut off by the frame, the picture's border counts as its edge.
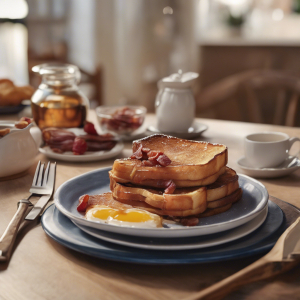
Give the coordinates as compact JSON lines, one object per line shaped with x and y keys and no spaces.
{"x":175,"y":102}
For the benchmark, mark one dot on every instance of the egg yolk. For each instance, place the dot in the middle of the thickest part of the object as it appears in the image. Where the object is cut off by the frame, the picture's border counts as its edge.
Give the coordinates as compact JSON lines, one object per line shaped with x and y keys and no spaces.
{"x":124,"y":216}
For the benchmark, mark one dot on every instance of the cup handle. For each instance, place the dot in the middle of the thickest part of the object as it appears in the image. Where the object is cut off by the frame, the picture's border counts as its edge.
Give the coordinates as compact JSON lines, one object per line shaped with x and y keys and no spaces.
{"x":292,"y":141}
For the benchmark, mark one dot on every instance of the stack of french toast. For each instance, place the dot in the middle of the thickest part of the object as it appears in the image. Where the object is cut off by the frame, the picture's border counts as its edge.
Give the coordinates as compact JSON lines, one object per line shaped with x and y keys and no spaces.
{"x":180,"y":179}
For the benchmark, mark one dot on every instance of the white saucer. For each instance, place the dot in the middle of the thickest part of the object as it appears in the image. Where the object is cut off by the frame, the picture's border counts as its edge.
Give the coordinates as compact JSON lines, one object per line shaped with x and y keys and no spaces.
{"x":194,"y":131}
{"x":290,"y":165}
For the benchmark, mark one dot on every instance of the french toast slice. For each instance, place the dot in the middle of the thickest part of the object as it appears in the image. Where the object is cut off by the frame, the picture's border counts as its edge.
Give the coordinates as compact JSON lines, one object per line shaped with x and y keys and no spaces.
{"x":190,"y":161}
{"x":200,"y":212}
{"x":163,"y":212}
{"x":182,"y":198}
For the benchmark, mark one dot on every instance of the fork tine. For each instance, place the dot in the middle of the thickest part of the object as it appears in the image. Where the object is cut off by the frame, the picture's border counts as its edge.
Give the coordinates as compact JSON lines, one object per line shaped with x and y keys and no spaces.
{"x":36,"y":174}
{"x":40,"y":178}
{"x":51,"y":176}
{"x":46,"y":174}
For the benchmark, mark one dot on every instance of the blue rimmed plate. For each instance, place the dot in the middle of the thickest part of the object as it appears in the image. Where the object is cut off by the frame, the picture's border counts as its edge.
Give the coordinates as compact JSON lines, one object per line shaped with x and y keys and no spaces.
{"x":253,"y":201}
{"x":62,"y":230}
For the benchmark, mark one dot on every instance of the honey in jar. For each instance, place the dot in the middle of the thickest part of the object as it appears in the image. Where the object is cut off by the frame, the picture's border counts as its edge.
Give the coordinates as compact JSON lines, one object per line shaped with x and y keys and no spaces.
{"x":58,"y":102}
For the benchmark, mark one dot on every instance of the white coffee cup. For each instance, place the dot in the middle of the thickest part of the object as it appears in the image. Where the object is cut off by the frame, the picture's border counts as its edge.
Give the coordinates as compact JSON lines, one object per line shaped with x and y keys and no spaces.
{"x":267,"y":149}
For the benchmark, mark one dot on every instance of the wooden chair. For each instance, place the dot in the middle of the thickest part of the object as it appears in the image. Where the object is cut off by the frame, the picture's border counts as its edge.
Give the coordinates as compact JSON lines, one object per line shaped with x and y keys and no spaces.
{"x":245,"y":88}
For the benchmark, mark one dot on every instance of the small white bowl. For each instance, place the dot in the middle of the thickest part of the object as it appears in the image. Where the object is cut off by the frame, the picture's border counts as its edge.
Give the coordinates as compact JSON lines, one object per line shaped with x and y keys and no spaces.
{"x":18,"y":149}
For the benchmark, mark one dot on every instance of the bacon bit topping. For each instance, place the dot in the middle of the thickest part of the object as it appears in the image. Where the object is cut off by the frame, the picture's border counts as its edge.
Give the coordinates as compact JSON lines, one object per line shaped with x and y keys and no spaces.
{"x":138,"y":154}
{"x":79,"y":146}
{"x":163,"y":160}
{"x":171,"y":187}
{"x":90,"y":128}
{"x":189,"y":221}
{"x":83,"y":203}
{"x":153,"y":155}
{"x":157,"y":158}
{"x":148,"y":163}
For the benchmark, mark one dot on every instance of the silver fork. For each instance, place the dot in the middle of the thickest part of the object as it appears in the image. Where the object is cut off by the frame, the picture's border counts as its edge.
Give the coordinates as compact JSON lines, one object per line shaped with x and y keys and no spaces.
{"x":42,"y":185}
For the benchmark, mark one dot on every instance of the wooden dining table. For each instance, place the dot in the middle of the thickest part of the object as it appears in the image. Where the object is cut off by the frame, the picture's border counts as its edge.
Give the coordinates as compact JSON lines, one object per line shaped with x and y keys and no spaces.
{"x":41,"y":268}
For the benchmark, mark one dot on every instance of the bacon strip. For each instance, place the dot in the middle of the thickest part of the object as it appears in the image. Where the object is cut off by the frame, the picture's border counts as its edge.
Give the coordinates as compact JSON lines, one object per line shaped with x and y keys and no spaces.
{"x":99,"y":146}
{"x":189,"y":221}
{"x":60,"y":141}
{"x":55,"y":135}
{"x":79,"y":146}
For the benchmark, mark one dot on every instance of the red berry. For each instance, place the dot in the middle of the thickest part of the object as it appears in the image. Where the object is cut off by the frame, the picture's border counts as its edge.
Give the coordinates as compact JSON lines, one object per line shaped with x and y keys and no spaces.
{"x":90,"y":128}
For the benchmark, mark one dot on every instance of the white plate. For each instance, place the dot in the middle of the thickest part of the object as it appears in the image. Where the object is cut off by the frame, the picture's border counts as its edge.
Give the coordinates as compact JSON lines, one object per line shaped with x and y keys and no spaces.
{"x":194,"y":131}
{"x":87,"y":156}
{"x":290,"y":165}
{"x":176,"y":244}
{"x":254,"y":199}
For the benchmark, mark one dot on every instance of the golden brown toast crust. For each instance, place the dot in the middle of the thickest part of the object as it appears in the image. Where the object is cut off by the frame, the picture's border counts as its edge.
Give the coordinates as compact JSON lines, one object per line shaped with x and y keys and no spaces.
{"x":191,"y":160}
{"x":235,"y":196}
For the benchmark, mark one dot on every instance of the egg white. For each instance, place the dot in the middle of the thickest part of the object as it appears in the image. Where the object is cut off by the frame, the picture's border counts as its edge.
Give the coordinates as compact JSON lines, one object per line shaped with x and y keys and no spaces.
{"x":155,"y":222}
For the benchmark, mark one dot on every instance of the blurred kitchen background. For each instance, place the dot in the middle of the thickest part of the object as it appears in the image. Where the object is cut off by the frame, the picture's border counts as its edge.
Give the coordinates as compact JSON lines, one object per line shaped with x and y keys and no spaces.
{"x":246,"y":51}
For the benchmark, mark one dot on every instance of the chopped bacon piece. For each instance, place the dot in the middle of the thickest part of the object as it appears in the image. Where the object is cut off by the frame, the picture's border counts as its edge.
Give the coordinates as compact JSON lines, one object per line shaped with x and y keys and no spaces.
{"x":148,"y":163}
{"x":138,"y":154}
{"x":170,"y":188}
{"x":189,"y":221}
{"x":90,"y":128}
{"x":83,"y":203}
{"x":153,"y":155}
{"x":157,"y":158}
{"x":163,"y":160}
{"x":79,"y":146}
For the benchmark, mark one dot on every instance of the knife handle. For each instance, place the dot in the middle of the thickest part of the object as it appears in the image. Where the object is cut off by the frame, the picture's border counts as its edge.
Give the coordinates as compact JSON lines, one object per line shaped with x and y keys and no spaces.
{"x":261,"y":269}
{"x":9,"y":236}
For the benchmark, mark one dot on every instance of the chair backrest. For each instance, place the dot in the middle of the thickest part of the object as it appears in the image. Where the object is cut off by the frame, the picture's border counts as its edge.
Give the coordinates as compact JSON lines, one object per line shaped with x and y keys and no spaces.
{"x":245,"y":87}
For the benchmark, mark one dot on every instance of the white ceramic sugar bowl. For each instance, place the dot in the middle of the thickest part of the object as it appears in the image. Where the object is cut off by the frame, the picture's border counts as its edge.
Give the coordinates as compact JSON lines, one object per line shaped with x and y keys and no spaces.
{"x":175,"y":103}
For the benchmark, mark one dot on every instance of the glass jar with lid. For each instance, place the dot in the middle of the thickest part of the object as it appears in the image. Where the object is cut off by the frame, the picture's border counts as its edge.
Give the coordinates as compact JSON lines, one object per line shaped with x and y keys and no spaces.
{"x":58,"y":102}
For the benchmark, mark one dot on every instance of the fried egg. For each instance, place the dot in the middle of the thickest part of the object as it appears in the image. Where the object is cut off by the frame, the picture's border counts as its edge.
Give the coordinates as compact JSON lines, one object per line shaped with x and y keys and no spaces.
{"x":131,"y":217}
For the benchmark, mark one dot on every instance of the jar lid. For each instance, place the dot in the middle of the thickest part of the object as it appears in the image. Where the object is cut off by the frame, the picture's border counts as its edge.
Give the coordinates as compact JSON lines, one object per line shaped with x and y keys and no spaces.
{"x":57,"y":72}
{"x":178,"y":80}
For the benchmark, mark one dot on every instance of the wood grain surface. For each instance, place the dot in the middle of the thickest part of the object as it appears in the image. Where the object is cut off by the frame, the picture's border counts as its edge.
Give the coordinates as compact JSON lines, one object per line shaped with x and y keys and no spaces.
{"x":40,"y":268}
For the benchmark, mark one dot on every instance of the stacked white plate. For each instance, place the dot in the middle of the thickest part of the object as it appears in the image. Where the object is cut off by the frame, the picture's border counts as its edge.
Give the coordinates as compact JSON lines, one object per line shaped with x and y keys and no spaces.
{"x":241,"y":219}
